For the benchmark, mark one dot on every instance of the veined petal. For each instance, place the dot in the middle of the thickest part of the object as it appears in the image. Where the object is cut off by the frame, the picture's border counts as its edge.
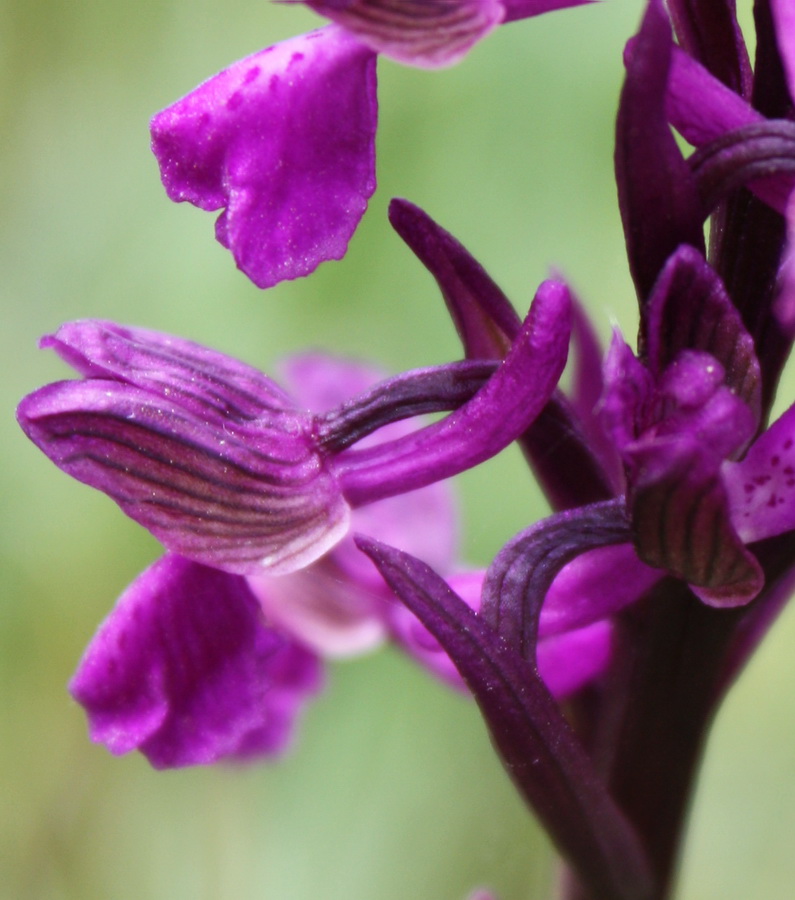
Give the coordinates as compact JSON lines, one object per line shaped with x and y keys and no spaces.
{"x":424,"y":33}
{"x":202,"y":381}
{"x":340,"y":605}
{"x":680,"y":515}
{"x":519,"y":579}
{"x":283,"y":141}
{"x":689,"y":309}
{"x":185,"y":671}
{"x":238,"y":496}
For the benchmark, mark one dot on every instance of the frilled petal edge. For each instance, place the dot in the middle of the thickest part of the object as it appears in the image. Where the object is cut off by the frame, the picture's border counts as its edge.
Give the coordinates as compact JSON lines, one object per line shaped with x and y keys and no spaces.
{"x":284,"y":142}
{"x":185,"y":671}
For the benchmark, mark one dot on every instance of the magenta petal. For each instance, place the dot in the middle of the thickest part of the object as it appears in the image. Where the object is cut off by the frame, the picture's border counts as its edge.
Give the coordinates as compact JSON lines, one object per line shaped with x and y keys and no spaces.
{"x":495,"y":417}
{"x":628,"y":393}
{"x":595,"y":585}
{"x":690,"y":309}
{"x":284,"y":140}
{"x":185,"y":671}
{"x":416,"y":32}
{"x":784,"y":17}
{"x":761,"y":487}
{"x":703,"y":109}
{"x":700,"y":107}
{"x":320,"y":382}
{"x":567,"y":662}
{"x":483,"y":316}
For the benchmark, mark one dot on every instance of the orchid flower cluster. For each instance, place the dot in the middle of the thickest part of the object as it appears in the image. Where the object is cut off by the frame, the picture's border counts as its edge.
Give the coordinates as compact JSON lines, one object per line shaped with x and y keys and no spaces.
{"x":311,"y":519}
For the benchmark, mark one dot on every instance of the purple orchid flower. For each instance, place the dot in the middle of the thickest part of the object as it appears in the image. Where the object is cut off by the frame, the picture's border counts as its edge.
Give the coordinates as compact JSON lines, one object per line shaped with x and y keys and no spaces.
{"x":223,"y":467}
{"x":696,"y":493}
{"x":704,"y":505}
{"x":196,"y":664}
{"x":283,"y":141}
{"x":740,"y":141}
{"x":253,"y":495}
{"x":740,"y":121}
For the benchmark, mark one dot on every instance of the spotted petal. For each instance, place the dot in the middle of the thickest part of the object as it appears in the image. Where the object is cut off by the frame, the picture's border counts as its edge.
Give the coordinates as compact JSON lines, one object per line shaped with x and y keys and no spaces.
{"x":283,"y":142}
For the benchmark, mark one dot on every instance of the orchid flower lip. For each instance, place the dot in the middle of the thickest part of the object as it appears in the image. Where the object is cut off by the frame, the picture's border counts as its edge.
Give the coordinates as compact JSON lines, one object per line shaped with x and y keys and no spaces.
{"x":292,"y":194}
{"x":184,"y":670}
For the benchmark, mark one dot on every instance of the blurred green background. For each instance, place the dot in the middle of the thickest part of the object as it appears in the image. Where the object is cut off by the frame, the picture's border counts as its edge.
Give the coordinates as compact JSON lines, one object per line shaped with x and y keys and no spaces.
{"x":393,"y":790}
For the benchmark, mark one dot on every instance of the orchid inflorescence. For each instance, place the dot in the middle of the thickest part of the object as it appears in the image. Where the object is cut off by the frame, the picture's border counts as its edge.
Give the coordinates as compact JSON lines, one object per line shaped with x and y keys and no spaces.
{"x":311,"y":519}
